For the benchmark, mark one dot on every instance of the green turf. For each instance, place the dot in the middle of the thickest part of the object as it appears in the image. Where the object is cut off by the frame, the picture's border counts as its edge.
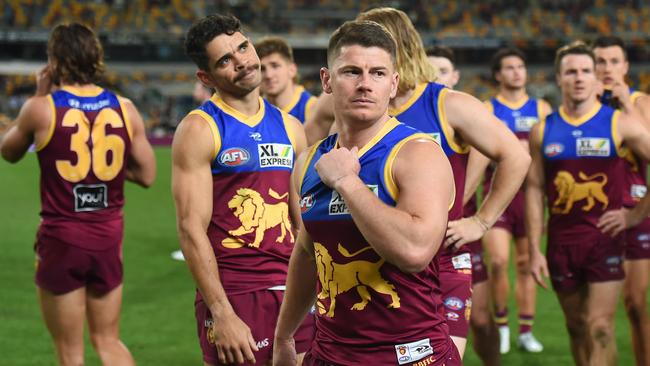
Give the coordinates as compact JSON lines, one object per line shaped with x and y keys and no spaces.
{"x":157,"y":317}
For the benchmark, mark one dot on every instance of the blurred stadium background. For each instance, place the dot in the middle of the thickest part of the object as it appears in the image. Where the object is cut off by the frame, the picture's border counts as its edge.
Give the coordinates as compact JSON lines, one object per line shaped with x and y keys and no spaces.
{"x":145,"y":61}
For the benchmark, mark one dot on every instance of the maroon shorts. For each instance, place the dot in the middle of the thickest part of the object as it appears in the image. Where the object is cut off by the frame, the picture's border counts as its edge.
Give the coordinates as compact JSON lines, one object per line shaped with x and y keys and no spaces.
{"x":456,"y":292}
{"x":259,"y":310}
{"x":598,"y":258}
{"x":512,"y":218}
{"x":61,"y":268}
{"x":479,"y":270}
{"x":637,"y":241}
{"x":450,"y":358}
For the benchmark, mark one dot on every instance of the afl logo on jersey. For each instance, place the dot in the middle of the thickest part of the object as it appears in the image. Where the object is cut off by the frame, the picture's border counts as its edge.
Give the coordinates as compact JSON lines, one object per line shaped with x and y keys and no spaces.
{"x":306,"y":203}
{"x":554,"y":149}
{"x":454,"y":303}
{"x":234,"y":156}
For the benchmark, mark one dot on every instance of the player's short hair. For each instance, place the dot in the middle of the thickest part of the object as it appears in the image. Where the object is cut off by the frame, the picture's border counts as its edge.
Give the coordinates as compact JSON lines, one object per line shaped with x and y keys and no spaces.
{"x":203,"y":32}
{"x":503,"y":53}
{"x":412,"y":64}
{"x":609,"y":41}
{"x":270,"y":45}
{"x":76,"y":55}
{"x":573,"y":48}
{"x":363,"y":33}
{"x":442,"y":51}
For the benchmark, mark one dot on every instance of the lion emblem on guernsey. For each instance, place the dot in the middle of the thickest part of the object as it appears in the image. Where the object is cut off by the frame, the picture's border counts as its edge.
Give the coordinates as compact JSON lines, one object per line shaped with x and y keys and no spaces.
{"x":257,"y":216}
{"x":336,"y":279}
{"x":570,"y":191}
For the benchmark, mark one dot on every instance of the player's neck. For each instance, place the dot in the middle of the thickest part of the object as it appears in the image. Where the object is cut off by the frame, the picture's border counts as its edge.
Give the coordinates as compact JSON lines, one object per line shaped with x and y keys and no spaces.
{"x":577,"y":109}
{"x":248,"y":104}
{"x":79,"y":86}
{"x":401,"y":98}
{"x":283,"y":99}
{"x":512,"y":95}
{"x":359,"y":133}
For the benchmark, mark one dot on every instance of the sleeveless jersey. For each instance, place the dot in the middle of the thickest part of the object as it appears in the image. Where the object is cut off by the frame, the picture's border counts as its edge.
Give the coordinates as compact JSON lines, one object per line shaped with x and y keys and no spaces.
{"x":300,"y":104}
{"x":519,"y":117}
{"x":636,"y":169}
{"x":424,"y":111}
{"x":583,"y":171}
{"x":367,"y":308}
{"x":83,"y":162}
{"x":250,"y":228}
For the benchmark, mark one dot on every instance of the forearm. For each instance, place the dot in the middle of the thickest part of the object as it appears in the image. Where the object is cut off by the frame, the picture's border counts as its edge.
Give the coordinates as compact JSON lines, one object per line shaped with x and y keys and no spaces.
{"x":300,"y":294}
{"x":395,"y":235}
{"x":202,"y":263}
{"x":508,"y":178}
{"x":141,"y":175}
{"x":642,"y":209}
{"x":475,"y":169}
{"x":534,"y":217}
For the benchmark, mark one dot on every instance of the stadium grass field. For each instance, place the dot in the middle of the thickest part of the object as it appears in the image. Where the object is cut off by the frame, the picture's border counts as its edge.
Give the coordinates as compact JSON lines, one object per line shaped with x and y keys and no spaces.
{"x":157,"y":314}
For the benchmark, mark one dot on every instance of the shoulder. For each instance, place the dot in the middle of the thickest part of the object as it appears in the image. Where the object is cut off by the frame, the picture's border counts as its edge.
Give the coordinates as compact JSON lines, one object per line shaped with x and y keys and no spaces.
{"x":37,"y":111}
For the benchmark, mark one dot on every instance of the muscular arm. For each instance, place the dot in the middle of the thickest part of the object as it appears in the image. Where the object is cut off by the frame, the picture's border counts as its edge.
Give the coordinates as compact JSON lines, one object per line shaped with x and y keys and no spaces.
{"x":34,"y":116}
{"x":474,"y":124}
{"x":408,"y":235}
{"x":534,"y":207}
{"x":192,"y":152}
{"x":300,"y":144}
{"x":637,"y":137}
{"x":321,"y":119}
{"x":476,"y":165}
{"x":141,"y":164}
{"x":301,"y":287}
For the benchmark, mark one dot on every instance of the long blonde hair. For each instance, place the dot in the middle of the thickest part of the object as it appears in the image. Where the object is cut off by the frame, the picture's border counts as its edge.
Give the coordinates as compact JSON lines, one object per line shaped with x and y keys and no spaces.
{"x":412,"y":64}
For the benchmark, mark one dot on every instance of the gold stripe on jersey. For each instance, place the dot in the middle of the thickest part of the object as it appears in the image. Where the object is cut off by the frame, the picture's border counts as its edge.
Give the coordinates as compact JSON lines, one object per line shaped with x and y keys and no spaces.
{"x":385,"y":129}
{"x":512,"y":105}
{"x":126,"y":118}
{"x":539,"y":111}
{"x":50,"y":130}
{"x":83,"y":92}
{"x":620,"y":150}
{"x":251,"y":121}
{"x":289,"y":127}
{"x":580,"y":120}
{"x":310,"y":156}
{"x":446,"y":128}
{"x":294,"y":99}
{"x":213,"y":127}
{"x":542,"y":126}
{"x":635,"y":95}
{"x":416,"y":95}
{"x":389,"y":180}
{"x":308,"y":106}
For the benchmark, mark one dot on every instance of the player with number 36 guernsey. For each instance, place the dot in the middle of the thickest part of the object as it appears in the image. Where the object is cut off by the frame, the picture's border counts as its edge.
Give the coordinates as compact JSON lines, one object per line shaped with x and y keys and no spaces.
{"x":88,"y":141}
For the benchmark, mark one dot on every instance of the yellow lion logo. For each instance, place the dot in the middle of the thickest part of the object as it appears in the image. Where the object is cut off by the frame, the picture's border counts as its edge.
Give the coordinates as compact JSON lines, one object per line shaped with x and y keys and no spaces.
{"x":570,"y":191}
{"x":338,"y":278}
{"x":258,"y":216}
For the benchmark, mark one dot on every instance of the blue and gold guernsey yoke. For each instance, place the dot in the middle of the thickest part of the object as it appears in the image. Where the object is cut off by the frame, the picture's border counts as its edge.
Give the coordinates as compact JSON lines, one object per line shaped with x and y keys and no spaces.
{"x":300,"y":104}
{"x":520,"y":118}
{"x":250,"y":228}
{"x":367,"y":308}
{"x":636,"y":170}
{"x":425,"y":111}
{"x":583,"y":172}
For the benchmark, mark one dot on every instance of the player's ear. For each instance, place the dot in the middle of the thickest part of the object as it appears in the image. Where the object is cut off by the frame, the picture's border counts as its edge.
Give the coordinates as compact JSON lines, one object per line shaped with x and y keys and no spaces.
{"x":394,"y":84}
{"x":204,"y":78}
{"x":325,"y":79}
{"x":293,"y":70}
